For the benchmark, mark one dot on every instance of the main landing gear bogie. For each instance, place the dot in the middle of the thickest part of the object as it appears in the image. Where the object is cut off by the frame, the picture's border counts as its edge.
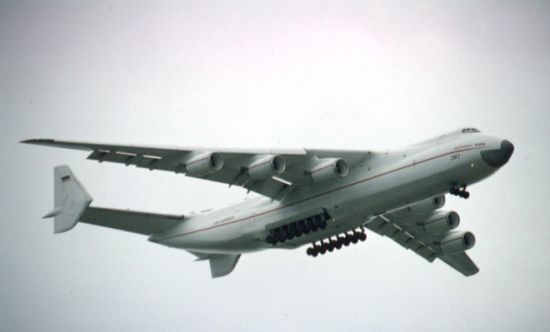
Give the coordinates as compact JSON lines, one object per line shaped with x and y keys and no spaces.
{"x":297,"y":229}
{"x":459,"y":191}
{"x":337,"y":243}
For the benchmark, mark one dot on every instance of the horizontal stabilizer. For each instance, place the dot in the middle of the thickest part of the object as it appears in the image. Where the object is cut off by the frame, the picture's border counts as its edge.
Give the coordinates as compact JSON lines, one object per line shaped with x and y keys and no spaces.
{"x":70,"y":200}
{"x":130,"y":221}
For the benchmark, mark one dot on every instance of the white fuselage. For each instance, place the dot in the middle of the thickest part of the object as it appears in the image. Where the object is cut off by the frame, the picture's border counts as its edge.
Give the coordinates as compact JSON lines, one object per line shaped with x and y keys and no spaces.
{"x":383,"y":183}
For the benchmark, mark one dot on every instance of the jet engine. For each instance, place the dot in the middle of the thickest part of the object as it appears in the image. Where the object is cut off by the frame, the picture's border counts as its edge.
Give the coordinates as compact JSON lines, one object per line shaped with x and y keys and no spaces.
{"x":441,"y":222}
{"x":204,"y":164}
{"x":266,"y":167}
{"x":428,"y":205}
{"x":329,"y":168}
{"x":455,"y":243}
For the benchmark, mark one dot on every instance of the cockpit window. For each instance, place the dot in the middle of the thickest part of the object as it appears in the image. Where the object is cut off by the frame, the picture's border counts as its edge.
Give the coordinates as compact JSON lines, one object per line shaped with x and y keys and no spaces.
{"x":470,"y":130}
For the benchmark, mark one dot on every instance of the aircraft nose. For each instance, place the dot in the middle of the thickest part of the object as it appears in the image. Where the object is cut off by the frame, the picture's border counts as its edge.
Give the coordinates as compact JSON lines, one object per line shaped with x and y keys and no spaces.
{"x":499,"y":157}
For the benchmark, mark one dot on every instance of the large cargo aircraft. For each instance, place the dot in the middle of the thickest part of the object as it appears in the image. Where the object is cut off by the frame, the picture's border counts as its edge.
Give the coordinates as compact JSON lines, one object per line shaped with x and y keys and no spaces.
{"x":323,"y":199}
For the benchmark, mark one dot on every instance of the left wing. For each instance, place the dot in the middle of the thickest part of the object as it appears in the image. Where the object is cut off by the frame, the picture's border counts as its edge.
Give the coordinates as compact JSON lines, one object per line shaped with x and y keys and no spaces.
{"x":271,"y":173}
{"x":430,"y":234}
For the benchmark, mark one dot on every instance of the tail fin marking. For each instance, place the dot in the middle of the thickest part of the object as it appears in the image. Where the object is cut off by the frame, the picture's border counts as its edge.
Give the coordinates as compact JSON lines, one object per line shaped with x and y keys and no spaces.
{"x":70,"y":200}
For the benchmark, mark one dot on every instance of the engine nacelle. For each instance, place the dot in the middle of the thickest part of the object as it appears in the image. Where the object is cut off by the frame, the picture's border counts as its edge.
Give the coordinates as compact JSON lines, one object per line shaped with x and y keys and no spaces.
{"x":266,"y":167}
{"x":441,"y":222}
{"x":457,"y":243}
{"x":204,"y":164}
{"x":329,"y":168}
{"x":428,"y":205}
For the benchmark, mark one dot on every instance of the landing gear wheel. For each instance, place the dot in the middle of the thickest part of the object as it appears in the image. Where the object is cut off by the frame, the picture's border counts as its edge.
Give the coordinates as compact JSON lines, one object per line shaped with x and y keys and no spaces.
{"x":454,"y":190}
{"x":316,"y":250}
{"x":459,"y":191}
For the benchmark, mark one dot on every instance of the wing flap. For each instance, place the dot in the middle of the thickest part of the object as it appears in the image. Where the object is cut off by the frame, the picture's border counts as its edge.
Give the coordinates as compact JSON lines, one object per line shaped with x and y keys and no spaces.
{"x":403,"y":238}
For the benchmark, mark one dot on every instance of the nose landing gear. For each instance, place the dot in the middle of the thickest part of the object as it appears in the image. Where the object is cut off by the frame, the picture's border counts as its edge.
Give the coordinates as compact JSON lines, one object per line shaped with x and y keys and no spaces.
{"x":459,"y":191}
{"x":337,"y":242}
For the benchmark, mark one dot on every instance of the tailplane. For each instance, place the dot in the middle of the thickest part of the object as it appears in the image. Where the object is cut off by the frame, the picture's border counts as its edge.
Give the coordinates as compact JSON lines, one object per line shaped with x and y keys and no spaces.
{"x":70,"y":200}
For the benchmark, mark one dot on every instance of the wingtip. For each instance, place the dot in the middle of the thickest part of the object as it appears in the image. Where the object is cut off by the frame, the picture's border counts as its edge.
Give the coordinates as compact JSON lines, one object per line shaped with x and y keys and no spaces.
{"x":473,"y":272}
{"x":37,"y":141}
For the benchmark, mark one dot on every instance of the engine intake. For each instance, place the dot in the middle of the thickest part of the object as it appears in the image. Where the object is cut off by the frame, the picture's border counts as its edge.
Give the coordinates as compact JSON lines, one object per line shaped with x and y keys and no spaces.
{"x":428,"y":205}
{"x":204,"y":164}
{"x":329,"y":168}
{"x":457,"y":243}
{"x":441,"y":222}
{"x":266,"y":167}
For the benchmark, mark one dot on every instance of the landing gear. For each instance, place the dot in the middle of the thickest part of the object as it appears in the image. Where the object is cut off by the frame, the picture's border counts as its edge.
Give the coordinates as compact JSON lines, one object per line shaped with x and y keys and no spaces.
{"x":297,"y":229}
{"x":459,"y":191}
{"x":337,"y":242}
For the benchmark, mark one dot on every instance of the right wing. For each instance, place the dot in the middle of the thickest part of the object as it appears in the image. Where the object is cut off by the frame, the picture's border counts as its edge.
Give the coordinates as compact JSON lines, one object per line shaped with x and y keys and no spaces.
{"x":430,"y":235}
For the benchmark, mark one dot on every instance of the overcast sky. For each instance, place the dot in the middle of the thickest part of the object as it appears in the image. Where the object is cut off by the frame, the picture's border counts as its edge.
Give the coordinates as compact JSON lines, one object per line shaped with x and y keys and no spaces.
{"x":327,"y":74}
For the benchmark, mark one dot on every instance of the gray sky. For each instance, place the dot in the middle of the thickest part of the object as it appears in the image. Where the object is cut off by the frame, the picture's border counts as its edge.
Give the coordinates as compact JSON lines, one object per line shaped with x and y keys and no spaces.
{"x":363,"y":75}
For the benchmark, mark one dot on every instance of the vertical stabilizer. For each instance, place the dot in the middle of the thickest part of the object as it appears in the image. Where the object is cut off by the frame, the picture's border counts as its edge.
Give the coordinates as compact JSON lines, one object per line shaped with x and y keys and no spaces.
{"x":70,"y":200}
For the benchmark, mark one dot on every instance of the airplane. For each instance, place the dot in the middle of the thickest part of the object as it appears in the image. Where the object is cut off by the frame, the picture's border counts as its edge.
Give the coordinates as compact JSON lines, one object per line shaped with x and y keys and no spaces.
{"x":325,"y":199}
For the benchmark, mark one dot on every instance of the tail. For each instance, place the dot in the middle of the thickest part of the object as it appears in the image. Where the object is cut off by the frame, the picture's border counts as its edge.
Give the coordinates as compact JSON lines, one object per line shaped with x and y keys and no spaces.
{"x":70,"y":200}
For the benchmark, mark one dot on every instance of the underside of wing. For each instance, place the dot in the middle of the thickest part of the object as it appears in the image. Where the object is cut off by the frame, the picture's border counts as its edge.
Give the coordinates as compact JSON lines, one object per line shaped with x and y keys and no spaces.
{"x":462,"y":263}
{"x":431,"y":234}
{"x":272,"y":173}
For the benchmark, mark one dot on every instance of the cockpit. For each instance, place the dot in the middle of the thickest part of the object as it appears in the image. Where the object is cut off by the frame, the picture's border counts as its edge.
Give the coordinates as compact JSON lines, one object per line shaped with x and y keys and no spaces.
{"x":470,"y":130}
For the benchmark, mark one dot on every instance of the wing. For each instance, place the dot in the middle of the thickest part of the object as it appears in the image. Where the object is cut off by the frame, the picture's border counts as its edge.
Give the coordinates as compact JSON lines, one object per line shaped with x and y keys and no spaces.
{"x":431,"y":235}
{"x":271,"y":173}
